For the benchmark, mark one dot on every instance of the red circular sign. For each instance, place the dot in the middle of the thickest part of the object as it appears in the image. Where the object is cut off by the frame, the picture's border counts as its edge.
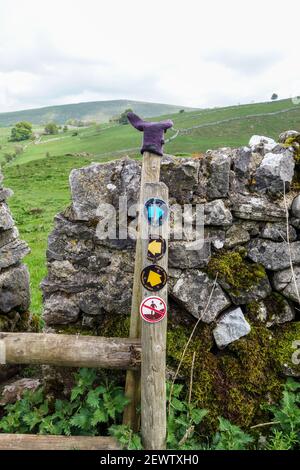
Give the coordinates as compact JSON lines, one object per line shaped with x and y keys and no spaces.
{"x":153,"y":309}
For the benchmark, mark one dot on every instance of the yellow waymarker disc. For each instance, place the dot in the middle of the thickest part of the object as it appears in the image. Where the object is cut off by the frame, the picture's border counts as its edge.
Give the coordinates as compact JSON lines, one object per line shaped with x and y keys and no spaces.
{"x":156,"y":248}
{"x":154,"y":278}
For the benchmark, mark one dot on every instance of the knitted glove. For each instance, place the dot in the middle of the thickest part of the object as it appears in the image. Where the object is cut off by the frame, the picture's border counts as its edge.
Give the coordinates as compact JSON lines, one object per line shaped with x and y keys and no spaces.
{"x":153,"y":133}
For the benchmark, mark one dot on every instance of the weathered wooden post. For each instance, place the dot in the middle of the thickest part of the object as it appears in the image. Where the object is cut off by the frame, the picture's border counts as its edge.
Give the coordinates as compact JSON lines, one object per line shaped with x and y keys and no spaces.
{"x":153,"y":332}
{"x":150,"y":173}
{"x":153,"y":311}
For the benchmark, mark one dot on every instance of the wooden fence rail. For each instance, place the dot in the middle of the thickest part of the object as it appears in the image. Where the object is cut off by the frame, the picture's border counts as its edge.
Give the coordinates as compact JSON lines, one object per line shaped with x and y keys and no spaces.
{"x":70,"y":350}
{"x":42,"y":442}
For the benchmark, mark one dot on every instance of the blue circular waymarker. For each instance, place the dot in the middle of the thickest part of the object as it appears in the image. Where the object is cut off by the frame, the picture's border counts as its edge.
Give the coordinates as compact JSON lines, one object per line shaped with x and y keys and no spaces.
{"x":156,"y":211}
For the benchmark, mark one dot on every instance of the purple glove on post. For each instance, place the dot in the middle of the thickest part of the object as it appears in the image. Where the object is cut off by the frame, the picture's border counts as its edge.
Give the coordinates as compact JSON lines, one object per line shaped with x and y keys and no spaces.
{"x":153,"y":133}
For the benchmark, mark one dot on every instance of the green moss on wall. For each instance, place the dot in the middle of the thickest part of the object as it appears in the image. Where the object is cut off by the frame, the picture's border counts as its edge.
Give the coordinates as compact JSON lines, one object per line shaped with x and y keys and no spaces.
{"x":235,"y":382}
{"x":294,"y":141}
{"x":117,"y":326}
{"x":274,"y":305}
{"x":254,"y":311}
{"x":232,"y":268}
{"x":76,"y":329}
{"x":15,"y":321}
{"x":4,"y":323}
{"x":286,"y":336}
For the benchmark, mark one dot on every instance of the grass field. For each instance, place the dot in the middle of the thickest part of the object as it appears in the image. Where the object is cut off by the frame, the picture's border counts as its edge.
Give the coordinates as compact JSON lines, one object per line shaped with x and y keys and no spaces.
{"x":39,"y":176}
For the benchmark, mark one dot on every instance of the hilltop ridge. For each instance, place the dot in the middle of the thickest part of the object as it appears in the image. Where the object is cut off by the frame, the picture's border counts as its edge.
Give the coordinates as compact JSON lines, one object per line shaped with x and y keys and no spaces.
{"x":100,"y":111}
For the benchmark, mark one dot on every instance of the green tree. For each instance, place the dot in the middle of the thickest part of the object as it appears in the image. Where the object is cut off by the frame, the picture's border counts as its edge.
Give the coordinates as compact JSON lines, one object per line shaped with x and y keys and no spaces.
{"x":122,"y":119}
{"x":51,"y":128}
{"x":21,"y":131}
{"x":65,"y":128}
{"x":274,"y":97}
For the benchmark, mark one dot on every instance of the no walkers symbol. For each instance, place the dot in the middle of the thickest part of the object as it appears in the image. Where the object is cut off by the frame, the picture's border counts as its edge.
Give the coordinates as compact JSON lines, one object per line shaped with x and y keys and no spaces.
{"x":156,"y":248}
{"x":154,"y":278}
{"x":153,"y":309}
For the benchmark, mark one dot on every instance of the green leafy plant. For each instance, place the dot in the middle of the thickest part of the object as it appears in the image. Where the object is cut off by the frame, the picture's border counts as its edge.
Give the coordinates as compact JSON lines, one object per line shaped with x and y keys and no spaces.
{"x":281,"y":441}
{"x":231,"y":437}
{"x":95,"y":408}
{"x":183,"y":417}
{"x":24,"y":415}
{"x":285,"y":431}
{"x":92,"y":408}
{"x":126,"y":437}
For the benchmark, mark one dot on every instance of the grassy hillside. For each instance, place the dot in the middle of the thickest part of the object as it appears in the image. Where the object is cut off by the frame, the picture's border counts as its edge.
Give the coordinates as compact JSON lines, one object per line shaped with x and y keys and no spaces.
{"x":100,"y":111}
{"x":199,"y":130}
{"x":39,"y":176}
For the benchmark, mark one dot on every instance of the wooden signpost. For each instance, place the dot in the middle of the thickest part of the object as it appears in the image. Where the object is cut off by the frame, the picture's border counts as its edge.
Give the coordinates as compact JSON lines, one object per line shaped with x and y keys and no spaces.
{"x":149,"y":297}
{"x":150,"y":174}
{"x":153,"y":337}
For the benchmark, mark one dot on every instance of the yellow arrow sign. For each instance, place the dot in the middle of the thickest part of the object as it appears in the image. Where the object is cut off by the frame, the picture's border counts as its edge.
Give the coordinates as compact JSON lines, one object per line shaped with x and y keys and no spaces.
{"x":154,"y":279}
{"x":155,"y":247}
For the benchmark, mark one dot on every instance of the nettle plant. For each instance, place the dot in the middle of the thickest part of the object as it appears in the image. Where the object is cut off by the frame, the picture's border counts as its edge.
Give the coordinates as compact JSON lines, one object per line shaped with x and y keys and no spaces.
{"x":285,"y":432}
{"x":92,"y":408}
{"x":282,"y":432}
{"x":96,"y":409}
{"x":183,"y":419}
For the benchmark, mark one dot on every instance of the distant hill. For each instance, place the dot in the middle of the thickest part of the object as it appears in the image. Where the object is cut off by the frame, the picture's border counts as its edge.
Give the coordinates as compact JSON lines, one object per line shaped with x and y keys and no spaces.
{"x":194,"y":131}
{"x":100,"y":111}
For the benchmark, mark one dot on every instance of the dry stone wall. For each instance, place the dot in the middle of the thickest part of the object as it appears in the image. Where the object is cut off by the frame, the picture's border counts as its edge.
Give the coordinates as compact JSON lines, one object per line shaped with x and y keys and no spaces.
{"x":245,"y":216}
{"x":14,"y":276}
{"x":246,"y":341}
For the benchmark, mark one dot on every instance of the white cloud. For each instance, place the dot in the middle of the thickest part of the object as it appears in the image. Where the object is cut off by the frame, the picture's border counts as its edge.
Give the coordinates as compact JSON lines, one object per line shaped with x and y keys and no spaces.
{"x":197,"y":53}
{"x":245,"y":62}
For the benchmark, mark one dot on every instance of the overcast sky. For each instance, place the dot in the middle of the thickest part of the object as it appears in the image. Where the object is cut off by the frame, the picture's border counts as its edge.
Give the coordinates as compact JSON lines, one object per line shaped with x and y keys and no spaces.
{"x":190,"y":52}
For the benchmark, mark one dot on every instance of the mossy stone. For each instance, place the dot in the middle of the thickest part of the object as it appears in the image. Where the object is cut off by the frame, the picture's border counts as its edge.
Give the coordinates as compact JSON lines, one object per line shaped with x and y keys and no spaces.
{"x":294,"y":141}
{"x":286,"y":348}
{"x":274,"y":305}
{"x":4,"y":323}
{"x":234,"y":272}
{"x":116,"y":327}
{"x":233,"y":383}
